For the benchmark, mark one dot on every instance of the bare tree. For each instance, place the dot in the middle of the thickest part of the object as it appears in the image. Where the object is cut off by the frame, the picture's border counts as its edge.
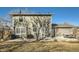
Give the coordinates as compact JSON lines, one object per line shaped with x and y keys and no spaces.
{"x":1,"y":28}
{"x":37,"y":26}
{"x":41,"y":25}
{"x":27,"y":26}
{"x":46,"y":25}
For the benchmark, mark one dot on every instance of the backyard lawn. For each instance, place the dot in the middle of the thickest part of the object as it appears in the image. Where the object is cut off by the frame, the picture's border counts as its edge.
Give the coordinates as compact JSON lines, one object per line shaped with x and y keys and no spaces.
{"x":49,"y":47}
{"x":39,"y":46}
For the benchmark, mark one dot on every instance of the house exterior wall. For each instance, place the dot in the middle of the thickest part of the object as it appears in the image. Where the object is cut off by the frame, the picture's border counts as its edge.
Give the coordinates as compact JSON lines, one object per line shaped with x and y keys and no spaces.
{"x":63,"y":31}
{"x":76,"y":33}
{"x":31,"y":24}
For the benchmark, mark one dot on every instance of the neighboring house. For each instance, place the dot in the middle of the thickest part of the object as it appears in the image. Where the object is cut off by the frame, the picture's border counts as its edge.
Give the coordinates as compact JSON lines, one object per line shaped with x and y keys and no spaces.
{"x":76,"y":32}
{"x":31,"y":25}
{"x":63,"y":29}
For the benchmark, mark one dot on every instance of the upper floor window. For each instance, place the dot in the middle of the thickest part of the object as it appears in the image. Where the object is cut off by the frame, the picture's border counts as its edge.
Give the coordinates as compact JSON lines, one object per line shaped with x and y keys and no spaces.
{"x":20,"y":19}
{"x":34,"y":28}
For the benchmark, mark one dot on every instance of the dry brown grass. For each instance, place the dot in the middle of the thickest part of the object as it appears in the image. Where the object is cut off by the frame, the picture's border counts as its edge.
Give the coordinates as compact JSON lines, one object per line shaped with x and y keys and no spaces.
{"x":40,"y":46}
{"x":9,"y":46}
{"x":49,"y":47}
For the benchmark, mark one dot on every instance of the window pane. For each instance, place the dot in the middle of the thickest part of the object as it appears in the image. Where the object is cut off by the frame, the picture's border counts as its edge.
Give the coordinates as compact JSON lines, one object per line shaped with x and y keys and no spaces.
{"x":20,"y":19}
{"x":22,"y":30}
{"x":17,"y":30}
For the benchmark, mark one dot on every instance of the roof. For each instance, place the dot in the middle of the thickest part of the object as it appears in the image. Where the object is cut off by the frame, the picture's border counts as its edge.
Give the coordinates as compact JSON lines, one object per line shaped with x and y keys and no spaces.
{"x":32,"y":14}
{"x":64,"y":25}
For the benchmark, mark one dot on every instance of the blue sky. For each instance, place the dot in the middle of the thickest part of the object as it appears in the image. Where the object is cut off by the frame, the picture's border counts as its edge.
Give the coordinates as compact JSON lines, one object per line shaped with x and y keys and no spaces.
{"x":60,"y":14}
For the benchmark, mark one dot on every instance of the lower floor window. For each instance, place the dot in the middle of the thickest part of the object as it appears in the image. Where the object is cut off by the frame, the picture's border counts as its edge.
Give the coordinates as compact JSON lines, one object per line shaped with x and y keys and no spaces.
{"x":23,"y":30}
{"x":17,"y":30}
{"x":20,"y":30}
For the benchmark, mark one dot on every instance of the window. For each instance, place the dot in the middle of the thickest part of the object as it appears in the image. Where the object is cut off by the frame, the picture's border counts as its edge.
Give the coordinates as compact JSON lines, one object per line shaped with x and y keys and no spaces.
{"x":22,"y":30}
{"x":20,"y":19}
{"x":34,"y":29}
{"x":17,"y":30}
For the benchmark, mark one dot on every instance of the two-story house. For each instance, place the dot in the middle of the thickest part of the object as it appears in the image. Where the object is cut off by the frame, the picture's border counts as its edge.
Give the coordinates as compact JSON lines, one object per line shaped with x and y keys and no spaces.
{"x":32,"y":25}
